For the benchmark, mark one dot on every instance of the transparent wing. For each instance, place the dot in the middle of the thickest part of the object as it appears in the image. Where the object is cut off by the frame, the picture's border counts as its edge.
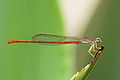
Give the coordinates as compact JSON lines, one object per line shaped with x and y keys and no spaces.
{"x":47,"y":37}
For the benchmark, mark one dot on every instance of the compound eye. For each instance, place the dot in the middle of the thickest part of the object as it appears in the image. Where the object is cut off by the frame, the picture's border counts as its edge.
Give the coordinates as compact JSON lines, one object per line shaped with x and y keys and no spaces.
{"x":98,"y":40}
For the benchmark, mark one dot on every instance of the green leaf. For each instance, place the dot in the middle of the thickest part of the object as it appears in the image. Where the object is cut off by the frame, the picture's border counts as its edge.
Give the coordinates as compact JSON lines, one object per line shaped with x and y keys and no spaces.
{"x":86,"y":70}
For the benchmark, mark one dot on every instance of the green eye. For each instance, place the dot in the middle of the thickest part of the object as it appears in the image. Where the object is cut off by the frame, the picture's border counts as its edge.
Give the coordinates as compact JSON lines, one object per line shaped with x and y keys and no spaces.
{"x":98,"y":40}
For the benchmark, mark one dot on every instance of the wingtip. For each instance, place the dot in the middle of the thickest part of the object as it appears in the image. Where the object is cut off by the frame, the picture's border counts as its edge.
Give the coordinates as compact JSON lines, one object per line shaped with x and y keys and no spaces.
{"x":35,"y":36}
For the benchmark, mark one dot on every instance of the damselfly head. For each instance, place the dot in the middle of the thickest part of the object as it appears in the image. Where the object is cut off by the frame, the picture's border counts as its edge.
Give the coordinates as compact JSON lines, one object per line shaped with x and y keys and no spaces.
{"x":98,"y":40}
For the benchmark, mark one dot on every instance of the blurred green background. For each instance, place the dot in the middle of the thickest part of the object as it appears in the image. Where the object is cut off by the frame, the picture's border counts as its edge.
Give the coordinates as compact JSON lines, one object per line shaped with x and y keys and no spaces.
{"x":21,"y":19}
{"x":106,"y":25}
